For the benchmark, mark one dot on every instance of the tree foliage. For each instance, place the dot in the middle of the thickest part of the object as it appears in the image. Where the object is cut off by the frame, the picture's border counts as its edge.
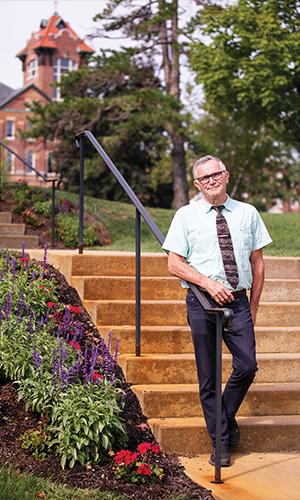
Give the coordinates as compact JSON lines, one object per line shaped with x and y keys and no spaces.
{"x":153,"y":27}
{"x":120,"y":100}
{"x":249,"y":63}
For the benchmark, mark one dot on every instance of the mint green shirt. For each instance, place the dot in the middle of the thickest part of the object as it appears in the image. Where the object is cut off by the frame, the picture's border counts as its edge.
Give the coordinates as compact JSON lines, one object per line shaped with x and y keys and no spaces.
{"x":193,"y":235}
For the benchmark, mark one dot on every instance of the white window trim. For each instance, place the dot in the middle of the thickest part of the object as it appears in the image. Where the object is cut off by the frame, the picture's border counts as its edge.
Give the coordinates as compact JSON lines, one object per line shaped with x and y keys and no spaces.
{"x":28,"y":171}
{"x":13,"y":136}
{"x":32,"y":68}
{"x":12,"y":167}
{"x":57,"y":70}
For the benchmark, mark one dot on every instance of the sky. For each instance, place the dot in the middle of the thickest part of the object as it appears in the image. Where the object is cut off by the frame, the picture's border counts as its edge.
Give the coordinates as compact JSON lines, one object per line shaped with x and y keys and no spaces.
{"x":19,"y":18}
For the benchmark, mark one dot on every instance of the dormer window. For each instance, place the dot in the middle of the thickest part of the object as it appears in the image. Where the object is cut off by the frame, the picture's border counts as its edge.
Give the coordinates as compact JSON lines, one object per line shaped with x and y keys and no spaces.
{"x":60,"y":24}
{"x":32,"y":69}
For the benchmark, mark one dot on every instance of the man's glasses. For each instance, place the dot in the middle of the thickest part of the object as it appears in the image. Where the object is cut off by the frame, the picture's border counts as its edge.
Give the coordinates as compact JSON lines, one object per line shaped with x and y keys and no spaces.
{"x":206,"y":178}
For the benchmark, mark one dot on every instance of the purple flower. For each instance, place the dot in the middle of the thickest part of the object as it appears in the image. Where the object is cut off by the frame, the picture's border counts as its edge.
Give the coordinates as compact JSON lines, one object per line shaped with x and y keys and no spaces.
{"x":36,"y":358}
{"x":23,"y":250}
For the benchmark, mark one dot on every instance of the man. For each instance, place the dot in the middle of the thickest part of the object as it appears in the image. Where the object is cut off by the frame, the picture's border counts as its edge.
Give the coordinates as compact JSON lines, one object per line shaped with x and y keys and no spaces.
{"x":217,"y":244}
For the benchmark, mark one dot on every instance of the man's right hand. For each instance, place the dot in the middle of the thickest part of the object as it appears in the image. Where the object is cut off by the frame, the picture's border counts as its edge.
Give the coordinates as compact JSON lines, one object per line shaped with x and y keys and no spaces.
{"x":218,"y":292}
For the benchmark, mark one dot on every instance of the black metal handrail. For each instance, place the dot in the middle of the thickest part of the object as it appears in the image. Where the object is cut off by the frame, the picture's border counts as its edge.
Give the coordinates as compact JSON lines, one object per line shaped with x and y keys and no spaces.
{"x":223,"y":315}
{"x":46,"y":179}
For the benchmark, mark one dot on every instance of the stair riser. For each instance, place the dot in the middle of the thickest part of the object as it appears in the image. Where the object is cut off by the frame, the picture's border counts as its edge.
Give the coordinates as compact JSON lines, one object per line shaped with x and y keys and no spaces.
{"x":16,"y":241}
{"x":160,"y":371}
{"x":186,"y":403}
{"x":117,"y":287}
{"x":254,"y":438}
{"x":12,"y":229}
{"x":168,"y":313}
{"x":156,"y":265}
{"x":179,"y":342}
{"x":5,"y":217}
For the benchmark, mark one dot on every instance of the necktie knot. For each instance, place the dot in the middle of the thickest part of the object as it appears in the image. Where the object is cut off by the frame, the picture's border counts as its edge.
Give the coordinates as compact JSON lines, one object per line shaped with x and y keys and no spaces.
{"x":218,"y":208}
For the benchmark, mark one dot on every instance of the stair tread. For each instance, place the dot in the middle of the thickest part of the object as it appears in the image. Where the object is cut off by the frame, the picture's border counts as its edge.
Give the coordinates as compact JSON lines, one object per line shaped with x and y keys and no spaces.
{"x":178,"y":301}
{"x":264,"y":420}
{"x":191,"y":356}
{"x":166,"y":328}
{"x":259,"y":387}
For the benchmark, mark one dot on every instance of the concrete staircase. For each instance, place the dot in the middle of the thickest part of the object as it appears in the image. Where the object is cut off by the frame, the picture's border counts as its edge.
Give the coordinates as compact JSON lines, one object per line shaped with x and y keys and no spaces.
{"x":12,"y":235}
{"x":164,"y":377}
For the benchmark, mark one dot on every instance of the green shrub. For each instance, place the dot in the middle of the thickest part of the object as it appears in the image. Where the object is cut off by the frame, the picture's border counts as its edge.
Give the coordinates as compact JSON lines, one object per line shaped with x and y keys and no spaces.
{"x":68,"y":229}
{"x":43,"y":207}
{"x":37,"y":442}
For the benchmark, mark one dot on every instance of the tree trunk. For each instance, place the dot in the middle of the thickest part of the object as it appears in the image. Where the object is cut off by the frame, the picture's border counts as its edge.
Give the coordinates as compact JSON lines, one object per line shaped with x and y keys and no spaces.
{"x":171,"y":68}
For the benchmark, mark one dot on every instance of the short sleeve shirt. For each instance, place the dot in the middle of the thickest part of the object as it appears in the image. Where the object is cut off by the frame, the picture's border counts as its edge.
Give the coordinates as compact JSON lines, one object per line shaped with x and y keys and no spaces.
{"x":193,"y":235}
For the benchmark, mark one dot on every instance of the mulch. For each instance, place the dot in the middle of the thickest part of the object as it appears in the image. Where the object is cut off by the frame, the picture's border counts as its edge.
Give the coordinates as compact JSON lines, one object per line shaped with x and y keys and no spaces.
{"x":15,"y":420}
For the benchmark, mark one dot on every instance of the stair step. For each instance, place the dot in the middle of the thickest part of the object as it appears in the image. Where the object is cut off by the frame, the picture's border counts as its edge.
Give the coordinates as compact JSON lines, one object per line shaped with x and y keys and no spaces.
{"x":16,"y":241}
{"x":173,"y":312}
{"x":177,"y":339}
{"x":5,"y":217}
{"x":167,"y":288}
{"x":171,"y":368}
{"x":182,"y":400}
{"x":155,"y":264}
{"x":188,"y":436}
{"x":7,"y":229}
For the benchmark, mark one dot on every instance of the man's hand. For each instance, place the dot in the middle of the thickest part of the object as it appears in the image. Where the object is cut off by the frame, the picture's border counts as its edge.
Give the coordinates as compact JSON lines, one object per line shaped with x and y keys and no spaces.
{"x":218,"y":292}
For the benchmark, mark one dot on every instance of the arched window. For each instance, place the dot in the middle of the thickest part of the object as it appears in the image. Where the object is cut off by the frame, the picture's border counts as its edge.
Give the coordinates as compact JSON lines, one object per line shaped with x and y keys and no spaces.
{"x":60,"y":68}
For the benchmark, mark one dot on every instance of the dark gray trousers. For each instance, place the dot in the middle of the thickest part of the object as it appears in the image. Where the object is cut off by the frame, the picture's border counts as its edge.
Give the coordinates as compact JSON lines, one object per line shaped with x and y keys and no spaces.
{"x":240,"y":341}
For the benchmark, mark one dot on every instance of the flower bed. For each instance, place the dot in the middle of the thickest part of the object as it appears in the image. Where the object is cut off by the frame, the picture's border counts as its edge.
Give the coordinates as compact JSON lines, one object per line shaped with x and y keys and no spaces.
{"x":76,"y":409}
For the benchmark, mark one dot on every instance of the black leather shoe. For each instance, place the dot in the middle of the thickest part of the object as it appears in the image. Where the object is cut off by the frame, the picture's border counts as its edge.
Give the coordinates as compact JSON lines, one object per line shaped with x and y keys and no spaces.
{"x":225,"y":457}
{"x":234,"y":432}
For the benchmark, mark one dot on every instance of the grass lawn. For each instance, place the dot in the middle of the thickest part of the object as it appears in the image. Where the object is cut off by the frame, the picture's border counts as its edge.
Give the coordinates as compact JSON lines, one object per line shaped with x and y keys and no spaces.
{"x":16,"y":486}
{"x":119,"y":218}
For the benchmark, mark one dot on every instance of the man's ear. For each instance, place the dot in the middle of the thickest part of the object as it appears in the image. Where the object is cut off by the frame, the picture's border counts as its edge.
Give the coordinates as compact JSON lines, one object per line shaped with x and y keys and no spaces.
{"x":228,"y":177}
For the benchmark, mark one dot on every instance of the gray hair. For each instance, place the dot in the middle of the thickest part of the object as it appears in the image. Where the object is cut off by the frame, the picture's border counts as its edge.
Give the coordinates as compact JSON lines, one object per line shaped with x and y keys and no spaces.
{"x":205,"y":159}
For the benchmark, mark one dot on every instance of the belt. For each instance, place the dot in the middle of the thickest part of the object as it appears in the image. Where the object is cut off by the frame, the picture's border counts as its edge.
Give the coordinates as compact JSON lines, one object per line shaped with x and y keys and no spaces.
{"x":238,"y":293}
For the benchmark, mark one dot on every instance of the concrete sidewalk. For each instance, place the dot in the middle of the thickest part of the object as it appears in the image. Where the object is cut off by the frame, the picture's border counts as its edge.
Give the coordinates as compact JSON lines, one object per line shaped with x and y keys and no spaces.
{"x":256,"y":476}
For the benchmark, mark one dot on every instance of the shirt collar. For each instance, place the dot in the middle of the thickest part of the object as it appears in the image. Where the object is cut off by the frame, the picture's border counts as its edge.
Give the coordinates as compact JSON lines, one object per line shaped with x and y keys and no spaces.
{"x":206,"y":207}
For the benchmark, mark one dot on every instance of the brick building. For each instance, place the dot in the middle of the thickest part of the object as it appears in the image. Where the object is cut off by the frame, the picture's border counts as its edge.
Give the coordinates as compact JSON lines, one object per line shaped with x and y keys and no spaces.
{"x":49,"y":53}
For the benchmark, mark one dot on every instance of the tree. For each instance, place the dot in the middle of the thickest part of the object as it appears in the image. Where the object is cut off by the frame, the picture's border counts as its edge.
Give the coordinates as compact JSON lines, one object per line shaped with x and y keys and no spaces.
{"x":121,"y":102}
{"x":249,"y":64}
{"x":153,"y":26}
{"x":261,"y":169}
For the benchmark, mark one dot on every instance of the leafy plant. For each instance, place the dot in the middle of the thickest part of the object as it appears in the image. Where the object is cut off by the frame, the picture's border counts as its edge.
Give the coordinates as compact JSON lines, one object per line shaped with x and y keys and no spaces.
{"x":42,"y":207}
{"x":68,"y":229}
{"x":36,"y":441}
{"x":86,"y":420}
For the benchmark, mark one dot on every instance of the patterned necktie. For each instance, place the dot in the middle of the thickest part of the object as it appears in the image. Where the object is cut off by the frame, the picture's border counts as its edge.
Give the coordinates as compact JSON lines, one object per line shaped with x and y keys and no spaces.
{"x":226,"y":247}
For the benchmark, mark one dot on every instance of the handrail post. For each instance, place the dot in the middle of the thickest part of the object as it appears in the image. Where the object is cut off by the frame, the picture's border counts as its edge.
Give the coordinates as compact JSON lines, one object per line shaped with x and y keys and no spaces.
{"x":219,"y":329}
{"x":81,"y":193}
{"x":137,"y":283}
{"x":53,"y":214}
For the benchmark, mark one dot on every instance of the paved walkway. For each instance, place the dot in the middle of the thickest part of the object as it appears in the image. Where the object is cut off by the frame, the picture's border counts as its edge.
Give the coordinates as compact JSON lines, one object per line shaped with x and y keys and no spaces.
{"x":257,"y":476}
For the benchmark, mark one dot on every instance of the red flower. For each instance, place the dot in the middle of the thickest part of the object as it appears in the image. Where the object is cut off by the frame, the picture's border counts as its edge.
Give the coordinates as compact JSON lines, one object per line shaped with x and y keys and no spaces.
{"x":155,"y":449}
{"x":75,"y":345}
{"x":125,"y":457}
{"x":51,"y":304}
{"x":72,"y":332}
{"x":41,"y":286}
{"x":145,"y":470}
{"x":97,"y":375}
{"x":24,"y":259}
{"x":144,"y":447}
{"x":75,"y":309}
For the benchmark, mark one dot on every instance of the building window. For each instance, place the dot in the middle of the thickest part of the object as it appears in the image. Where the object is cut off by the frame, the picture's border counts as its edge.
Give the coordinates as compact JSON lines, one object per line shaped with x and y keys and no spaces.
{"x":9,"y":164}
{"x":10,"y":129}
{"x":61,"y":67}
{"x":32,"y":69}
{"x":30,"y":160}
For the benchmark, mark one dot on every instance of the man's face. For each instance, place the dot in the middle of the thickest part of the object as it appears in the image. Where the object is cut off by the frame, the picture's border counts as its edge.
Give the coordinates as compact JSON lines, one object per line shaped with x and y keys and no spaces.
{"x":213,"y":188}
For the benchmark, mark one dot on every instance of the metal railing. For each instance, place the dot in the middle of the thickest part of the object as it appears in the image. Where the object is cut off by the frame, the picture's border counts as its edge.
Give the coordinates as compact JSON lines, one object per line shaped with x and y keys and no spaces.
{"x":223,"y":315}
{"x":46,"y":179}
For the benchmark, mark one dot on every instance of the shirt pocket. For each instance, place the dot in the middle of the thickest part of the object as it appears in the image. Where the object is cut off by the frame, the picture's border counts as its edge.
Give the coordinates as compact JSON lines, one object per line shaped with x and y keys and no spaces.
{"x":243,"y":240}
